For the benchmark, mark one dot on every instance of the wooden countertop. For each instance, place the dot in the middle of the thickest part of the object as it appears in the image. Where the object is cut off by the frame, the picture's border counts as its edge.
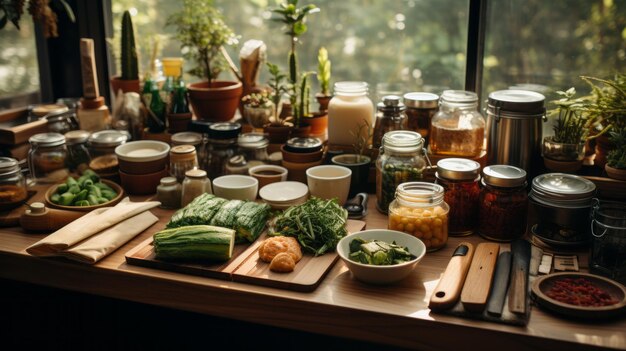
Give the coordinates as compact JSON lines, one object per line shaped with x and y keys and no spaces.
{"x":341,"y":306}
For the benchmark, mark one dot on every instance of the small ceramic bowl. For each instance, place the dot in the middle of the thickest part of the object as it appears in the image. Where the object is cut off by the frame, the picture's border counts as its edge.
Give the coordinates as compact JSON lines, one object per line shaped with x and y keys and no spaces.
{"x":142,"y":184}
{"x":329,"y":182}
{"x":283,"y":195}
{"x":142,"y":156}
{"x":118,"y":189}
{"x":236,"y":187}
{"x":381,"y":275}
{"x":267,"y":174}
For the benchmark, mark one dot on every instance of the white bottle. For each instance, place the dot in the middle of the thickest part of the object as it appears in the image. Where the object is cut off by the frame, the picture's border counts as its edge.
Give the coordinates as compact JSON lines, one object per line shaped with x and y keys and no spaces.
{"x":195,"y":184}
{"x":349,"y":108}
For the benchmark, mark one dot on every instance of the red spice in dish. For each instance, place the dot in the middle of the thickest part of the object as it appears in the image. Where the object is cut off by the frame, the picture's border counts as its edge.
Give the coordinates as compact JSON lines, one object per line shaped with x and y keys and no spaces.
{"x":580,"y":292}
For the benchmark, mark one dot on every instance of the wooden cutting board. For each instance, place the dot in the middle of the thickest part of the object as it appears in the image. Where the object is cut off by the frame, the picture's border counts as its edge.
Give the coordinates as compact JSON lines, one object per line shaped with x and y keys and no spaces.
{"x":245,"y":266}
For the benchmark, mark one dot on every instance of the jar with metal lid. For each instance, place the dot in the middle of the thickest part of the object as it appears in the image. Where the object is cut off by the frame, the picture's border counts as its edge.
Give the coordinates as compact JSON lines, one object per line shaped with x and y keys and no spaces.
{"x":104,"y":142}
{"x":420,"y":110}
{"x":402,"y":158}
{"x":514,"y":118}
{"x":253,"y":147}
{"x":460,"y":177}
{"x":169,"y":193}
{"x":187,"y":138}
{"x":349,"y":108}
{"x":419,"y":209}
{"x":13,"y":189}
{"x":608,"y":250}
{"x":560,"y":208}
{"x":503,"y":203}
{"x":390,"y":116}
{"x":47,"y":158}
{"x":78,"y":157}
{"x":182,"y":159}
{"x":222,"y":146}
{"x":195,"y":184}
{"x":457,"y":129}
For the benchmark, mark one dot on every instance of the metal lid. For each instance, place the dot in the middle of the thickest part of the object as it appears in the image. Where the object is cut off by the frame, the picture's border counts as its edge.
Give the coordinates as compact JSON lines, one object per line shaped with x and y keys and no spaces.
{"x":563,"y":190}
{"x":187,"y":138}
{"x":195,"y":173}
{"x":76,"y":137}
{"x":8,"y":166}
{"x":224,"y":130}
{"x":200,"y":126}
{"x":303,"y":145}
{"x":168,"y":181}
{"x":459,"y":96}
{"x":458,"y":169}
{"x":504,"y":176}
{"x":402,"y":141}
{"x":421,"y":100}
{"x":252,"y":141}
{"x":48,"y":109}
{"x":47,"y":139}
{"x":518,"y":101}
{"x":391,"y":103}
{"x":107,"y":138}
{"x":183,"y":149}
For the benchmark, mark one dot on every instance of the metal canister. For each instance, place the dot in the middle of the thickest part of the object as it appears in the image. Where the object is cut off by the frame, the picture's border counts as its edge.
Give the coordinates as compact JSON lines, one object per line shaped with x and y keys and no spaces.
{"x":514,"y":129}
{"x":608,"y":250}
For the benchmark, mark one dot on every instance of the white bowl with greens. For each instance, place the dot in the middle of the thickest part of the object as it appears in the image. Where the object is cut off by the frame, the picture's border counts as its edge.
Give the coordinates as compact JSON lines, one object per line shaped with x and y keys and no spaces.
{"x":381,"y":256}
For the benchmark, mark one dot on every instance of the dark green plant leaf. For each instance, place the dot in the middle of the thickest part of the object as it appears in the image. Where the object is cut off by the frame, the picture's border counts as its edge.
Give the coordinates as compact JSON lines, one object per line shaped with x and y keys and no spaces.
{"x":299,"y":28}
{"x":68,"y":10}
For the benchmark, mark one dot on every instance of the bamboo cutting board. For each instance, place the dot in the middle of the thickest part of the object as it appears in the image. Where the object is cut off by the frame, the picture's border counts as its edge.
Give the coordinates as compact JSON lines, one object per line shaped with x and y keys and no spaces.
{"x":245,"y":266}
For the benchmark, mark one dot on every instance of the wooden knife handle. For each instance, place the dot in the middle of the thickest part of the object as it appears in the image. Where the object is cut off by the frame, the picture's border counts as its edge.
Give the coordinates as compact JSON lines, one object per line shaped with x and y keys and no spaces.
{"x":43,"y":219}
{"x":448,"y":290}
{"x":478,"y":282}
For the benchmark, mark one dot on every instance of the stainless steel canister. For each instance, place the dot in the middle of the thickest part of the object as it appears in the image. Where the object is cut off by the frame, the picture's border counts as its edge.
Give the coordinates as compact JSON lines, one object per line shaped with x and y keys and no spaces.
{"x":514,"y":128}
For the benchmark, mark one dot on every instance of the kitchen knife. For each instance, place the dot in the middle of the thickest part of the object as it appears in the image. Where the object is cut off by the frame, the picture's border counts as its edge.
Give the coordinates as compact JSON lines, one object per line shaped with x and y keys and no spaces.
{"x":500,"y":284}
{"x":518,"y":289}
{"x":478,"y":281}
{"x":447,"y":292}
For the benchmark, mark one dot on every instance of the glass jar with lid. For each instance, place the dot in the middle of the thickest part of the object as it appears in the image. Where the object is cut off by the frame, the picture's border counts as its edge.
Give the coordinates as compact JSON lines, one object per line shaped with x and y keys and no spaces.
{"x":13,"y":189}
{"x":401,"y":159}
{"x":47,"y":157}
{"x":419,"y":209}
{"x":460,"y":177}
{"x":457,"y":129}
{"x":222,"y":146}
{"x":78,"y":157}
{"x":169,"y":193}
{"x":503,"y":203}
{"x":195,"y":184}
{"x":187,"y":138}
{"x":420,"y":110}
{"x":182,"y":159}
{"x":253,"y":147}
{"x":104,"y":142}
{"x":349,"y":108}
{"x":390,"y":116}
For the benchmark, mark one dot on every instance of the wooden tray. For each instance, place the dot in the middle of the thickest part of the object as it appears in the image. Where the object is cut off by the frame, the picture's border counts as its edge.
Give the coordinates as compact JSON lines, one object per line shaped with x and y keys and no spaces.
{"x":245,"y":266}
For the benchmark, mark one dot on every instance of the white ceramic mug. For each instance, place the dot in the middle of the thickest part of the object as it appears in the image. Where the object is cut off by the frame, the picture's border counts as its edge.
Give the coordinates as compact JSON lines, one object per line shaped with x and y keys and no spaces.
{"x":327,"y":182}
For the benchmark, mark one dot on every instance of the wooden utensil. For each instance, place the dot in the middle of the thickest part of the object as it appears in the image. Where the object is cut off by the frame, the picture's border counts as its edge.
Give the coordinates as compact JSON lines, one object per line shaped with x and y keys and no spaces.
{"x":518,"y":291}
{"x":40,"y":218}
{"x":447,"y":292}
{"x":478,"y":281}
{"x":500,"y":284}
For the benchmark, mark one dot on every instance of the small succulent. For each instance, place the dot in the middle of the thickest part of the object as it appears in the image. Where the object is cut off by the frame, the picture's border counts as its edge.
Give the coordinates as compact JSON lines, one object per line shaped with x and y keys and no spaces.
{"x":261,"y":99}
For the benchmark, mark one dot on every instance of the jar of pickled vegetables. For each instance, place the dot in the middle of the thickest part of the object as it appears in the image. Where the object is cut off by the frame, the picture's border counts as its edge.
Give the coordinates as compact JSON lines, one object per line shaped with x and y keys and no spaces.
{"x":459,"y":178}
{"x":420,"y":210}
{"x":503,"y":203}
{"x":402,"y":158}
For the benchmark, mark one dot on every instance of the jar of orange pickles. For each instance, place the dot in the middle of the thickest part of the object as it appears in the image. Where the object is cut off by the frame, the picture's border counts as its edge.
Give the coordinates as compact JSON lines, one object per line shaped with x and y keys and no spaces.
{"x":419,"y":210}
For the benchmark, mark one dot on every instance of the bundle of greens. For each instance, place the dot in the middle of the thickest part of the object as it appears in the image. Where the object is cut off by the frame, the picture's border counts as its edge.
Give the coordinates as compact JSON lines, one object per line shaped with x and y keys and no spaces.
{"x":317,"y":224}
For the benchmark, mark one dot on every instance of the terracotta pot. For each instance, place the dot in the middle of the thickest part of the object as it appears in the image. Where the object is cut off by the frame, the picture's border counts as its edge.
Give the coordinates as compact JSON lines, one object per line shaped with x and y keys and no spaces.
{"x":301,"y":132}
{"x":323,"y":100}
{"x":178,"y":122}
{"x":277,"y":134}
{"x":615,"y":173}
{"x":125,"y":86}
{"x":562,"y":166}
{"x":301,"y":157}
{"x":603,"y":146}
{"x":319,"y":123}
{"x":216,"y":103}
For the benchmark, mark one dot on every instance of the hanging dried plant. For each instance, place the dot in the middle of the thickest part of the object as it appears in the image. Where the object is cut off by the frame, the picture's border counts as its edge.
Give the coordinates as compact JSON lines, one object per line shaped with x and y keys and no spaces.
{"x":40,"y":11}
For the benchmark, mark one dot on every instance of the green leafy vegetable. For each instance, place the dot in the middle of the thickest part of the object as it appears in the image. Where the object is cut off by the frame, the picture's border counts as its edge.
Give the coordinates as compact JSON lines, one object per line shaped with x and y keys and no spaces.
{"x":378,"y":252}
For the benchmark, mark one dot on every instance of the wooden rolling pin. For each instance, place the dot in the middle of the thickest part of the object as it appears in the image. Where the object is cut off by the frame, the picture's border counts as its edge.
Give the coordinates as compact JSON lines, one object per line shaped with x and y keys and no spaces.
{"x":39,"y":218}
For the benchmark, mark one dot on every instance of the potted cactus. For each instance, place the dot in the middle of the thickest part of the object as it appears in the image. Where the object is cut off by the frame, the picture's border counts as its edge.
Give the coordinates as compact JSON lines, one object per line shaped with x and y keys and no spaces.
{"x":319,"y":120}
{"x":129,"y":80}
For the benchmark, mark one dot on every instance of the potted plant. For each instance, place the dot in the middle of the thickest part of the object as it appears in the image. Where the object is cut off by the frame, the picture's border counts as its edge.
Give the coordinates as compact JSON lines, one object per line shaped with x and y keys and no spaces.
{"x":129,"y":80}
{"x":279,"y":128}
{"x":201,"y":29}
{"x":358,"y":162}
{"x":258,"y":108}
{"x":616,"y":159}
{"x":319,"y":120}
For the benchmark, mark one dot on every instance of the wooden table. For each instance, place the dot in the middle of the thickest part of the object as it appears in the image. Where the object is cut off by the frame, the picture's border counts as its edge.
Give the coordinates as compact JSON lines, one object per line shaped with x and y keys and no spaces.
{"x":395,"y":315}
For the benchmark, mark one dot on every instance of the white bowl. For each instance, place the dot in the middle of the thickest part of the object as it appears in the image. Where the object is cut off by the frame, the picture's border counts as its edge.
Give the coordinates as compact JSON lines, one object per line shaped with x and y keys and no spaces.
{"x":142,"y":151}
{"x":283,"y":192}
{"x":236,"y":187}
{"x":329,"y":181}
{"x":380,"y":275}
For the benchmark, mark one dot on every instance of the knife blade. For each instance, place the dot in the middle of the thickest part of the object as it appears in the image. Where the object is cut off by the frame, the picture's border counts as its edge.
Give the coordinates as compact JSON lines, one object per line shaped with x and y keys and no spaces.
{"x":500,"y":284}
{"x":478,"y":281}
{"x":520,"y":263}
{"x":447,"y":292}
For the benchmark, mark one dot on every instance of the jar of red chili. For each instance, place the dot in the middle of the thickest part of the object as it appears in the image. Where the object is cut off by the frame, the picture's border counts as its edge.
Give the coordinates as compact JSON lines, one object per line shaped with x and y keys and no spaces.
{"x":503,"y":203}
{"x":459,"y":178}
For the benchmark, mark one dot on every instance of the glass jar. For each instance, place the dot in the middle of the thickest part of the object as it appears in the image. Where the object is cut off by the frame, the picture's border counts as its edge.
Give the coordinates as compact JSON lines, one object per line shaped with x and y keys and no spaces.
{"x":419,"y":209}
{"x":222,"y":146}
{"x":459,"y":178}
{"x":401,"y":159}
{"x":457,"y":129}
{"x":420,"y":109}
{"x":13,"y":189}
{"x":503,"y":203}
{"x":104,"y":142}
{"x":253,"y":147}
{"x":47,"y":157}
{"x":182,"y":159}
{"x":195,"y":184}
{"x":390,"y":116}
{"x":560,"y":207}
{"x":78,"y":157}
{"x":169,"y":193}
{"x":608,"y":250}
{"x":187,"y":138}
{"x":348,"y":110}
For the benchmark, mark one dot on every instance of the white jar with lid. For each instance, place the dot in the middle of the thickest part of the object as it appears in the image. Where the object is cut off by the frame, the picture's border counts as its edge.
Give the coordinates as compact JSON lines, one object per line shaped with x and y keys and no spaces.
{"x":349,"y":108}
{"x":195,"y":184}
